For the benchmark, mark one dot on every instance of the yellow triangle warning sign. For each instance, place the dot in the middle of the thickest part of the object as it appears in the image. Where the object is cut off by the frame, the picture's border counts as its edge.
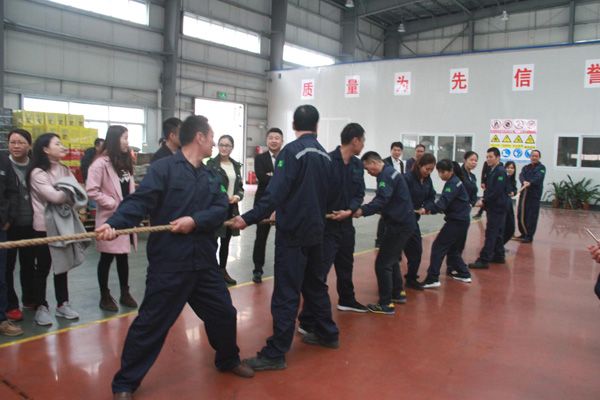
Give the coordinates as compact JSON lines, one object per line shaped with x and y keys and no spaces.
{"x":506,"y":139}
{"x":530,"y":140}
{"x":495,"y":139}
{"x":518,"y":139}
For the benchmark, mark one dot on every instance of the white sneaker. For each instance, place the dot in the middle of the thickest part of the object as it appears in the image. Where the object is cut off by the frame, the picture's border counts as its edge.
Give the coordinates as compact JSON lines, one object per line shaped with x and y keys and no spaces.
{"x":462,"y":279}
{"x":42,"y":316}
{"x":66,"y":311}
{"x":431,"y":284}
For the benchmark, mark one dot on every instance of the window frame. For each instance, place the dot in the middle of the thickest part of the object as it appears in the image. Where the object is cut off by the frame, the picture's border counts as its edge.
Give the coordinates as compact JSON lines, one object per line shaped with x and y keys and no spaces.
{"x":436,"y":142}
{"x":291,"y":45}
{"x":580,"y":137}
{"x":146,"y":22}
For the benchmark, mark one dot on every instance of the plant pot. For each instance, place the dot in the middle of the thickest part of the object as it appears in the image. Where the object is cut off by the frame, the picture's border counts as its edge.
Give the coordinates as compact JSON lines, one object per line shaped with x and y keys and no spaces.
{"x":555,"y":203}
{"x":586,"y":206}
{"x":579,"y":205}
{"x":567,"y":206}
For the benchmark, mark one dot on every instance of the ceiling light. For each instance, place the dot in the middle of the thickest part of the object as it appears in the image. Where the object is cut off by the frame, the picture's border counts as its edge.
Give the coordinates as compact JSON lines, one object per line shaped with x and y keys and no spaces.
{"x":504,"y":16}
{"x":401,"y":28}
{"x":349,"y":4}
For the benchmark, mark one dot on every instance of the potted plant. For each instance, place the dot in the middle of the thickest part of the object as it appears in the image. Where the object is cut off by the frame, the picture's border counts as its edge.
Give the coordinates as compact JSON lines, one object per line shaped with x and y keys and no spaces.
{"x":556,"y":193}
{"x":588,"y":193}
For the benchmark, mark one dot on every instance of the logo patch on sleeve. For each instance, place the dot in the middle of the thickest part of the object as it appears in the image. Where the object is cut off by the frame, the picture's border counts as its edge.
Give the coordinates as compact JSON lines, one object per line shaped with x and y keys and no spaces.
{"x":381,"y":184}
{"x":543,"y":171}
{"x":223,"y":189}
{"x":500,"y":178}
{"x":449,"y":190}
{"x":280,"y":163}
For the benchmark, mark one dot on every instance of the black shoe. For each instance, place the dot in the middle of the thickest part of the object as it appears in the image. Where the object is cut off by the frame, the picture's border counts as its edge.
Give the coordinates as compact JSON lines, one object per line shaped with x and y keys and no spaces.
{"x":498,"y":260}
{"x":479,"y":264}
{"x":430,"y":283}
{"x":450,"y":272}
{"x":314,"y":339}
{"x":527,"y":240}
{"x":262,"y":363}
{"x":303,"y":330}
{"x":257,"y":277}
{"x":413,"y":284}
{"x":354,"y":306}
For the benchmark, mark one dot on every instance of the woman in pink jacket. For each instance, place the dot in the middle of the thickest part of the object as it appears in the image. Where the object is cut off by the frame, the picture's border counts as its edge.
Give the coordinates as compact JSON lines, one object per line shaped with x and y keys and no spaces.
{"x":110,"y":180}
{"x":45,"y":170}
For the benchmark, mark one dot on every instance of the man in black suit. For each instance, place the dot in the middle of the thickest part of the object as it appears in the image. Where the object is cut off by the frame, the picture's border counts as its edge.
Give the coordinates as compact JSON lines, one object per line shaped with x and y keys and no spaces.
{"x":394,"y":160}
{"x":170,"y":139}
{"x":263,"y":166}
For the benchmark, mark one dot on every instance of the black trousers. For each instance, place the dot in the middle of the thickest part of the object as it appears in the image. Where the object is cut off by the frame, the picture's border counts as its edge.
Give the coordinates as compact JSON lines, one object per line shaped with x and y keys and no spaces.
{"x":339,"y":251}
{"x":387,"y":264}
{"x":224,"y":249}
{"x":106,"y":260}
{"x":40,"y":276}
{"x":509,"y":226}
{"x":414,"y":251}
{"x":260,"y":245}
{"x":27,"y":267}
{"x":528,"y":213}
{"x":166,"y":295}
{"x":449,"y":243}
{"x":494,"y":236}
{"x":298,"y":270}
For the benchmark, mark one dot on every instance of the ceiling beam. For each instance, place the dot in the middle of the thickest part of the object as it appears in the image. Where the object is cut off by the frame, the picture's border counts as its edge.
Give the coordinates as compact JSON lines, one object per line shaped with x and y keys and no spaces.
{"x":456,"y":19}
{"x":379,"y":6}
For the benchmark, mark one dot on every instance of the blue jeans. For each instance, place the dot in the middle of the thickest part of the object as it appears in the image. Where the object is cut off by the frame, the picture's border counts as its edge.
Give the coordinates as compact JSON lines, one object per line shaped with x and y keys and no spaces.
{"x":3,"y":287}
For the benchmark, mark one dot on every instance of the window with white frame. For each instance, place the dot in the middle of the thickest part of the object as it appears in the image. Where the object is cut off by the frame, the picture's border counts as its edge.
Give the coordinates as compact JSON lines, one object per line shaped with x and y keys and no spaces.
{"x":217,"y":32}
{"x":578,"y":151}
{"x":97,"y":116}
{"x":442,"y":146}
{"x":129,"y":10}
{"x":307,"y":58}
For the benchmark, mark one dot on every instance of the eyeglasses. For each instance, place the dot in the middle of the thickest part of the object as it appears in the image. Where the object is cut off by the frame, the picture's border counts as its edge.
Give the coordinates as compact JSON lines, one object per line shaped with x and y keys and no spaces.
{"x":225,"y":145}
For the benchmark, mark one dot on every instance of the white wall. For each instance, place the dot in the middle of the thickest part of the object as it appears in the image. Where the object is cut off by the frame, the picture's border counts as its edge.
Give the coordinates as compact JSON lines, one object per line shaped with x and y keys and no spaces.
{"x":559,"y":102}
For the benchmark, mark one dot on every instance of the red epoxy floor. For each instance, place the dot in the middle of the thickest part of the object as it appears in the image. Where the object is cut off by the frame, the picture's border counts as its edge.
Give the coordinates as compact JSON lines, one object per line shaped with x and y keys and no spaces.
{"x":529,"y":329}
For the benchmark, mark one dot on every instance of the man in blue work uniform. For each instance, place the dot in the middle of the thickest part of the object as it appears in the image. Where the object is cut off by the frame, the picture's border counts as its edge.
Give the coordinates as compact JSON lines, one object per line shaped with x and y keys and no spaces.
{"x":495,"y":200}
{"x":532,"y":178}
{"x":182,"y":192}
{"x":346,"y":194}
{"x":392,"y":199}
{"x":298,"y":193}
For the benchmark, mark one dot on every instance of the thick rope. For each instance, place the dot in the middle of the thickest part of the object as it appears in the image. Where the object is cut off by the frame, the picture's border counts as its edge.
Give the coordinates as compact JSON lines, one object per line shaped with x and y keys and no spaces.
{"x":522,"y":199}
{"x":92,"y":235}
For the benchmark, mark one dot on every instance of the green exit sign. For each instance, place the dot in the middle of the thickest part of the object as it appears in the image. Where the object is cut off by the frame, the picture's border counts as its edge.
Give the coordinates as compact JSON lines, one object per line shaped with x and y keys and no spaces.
{"x":222,"y":95}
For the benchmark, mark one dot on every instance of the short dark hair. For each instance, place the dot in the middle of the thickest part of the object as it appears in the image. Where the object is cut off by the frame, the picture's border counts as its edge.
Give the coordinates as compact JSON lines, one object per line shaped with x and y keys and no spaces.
{"x":351,"y":131}
{"x":421,"y":145}
{"x":23,"y":133}
{"x":170,"y":125}
{"x":371,"y":156}
{"x":276,"y":130}
{"x":539,"y":152}
{"x":228,"y":137}
{"x":397,"y":144}
{"x":98,"y":142}
{"x":306,"y":118}
{"x":494,"y":150}
{"x":192,"y":125}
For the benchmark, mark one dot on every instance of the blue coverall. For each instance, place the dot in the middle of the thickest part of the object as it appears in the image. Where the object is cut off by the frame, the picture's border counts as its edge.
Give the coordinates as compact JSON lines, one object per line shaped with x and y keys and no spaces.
{"x":529,"y":202}
{"x":495,"y":200}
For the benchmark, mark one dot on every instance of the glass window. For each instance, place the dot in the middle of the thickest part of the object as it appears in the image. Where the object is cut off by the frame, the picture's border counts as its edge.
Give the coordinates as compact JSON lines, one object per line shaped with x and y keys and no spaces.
{"x":305,"y":57}
{"x":136,"y":135}
{"x":101,"y":126}
{"x":590,"y":152}
{"x":568,"y":148}
{"x":128,"y":10}
{"x":409,"y":142}
{"x":429,"y":143}
{"x":51,"y":106}
{"x":463,"y":145}
{"x":445,"y":147}
{"x":126,"y":114}
{"x":89,"y":111}
{"x":216,"y":32}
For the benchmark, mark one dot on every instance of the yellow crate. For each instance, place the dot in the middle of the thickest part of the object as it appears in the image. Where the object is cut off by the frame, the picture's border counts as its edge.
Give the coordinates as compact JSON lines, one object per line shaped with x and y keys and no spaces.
{"x":39,"y":118}
{"x":51,"y":118}
{"x":75,"y":120}
{"x":22,"y":118}
{"x":61,"y":119}
{"x":50,"y":129}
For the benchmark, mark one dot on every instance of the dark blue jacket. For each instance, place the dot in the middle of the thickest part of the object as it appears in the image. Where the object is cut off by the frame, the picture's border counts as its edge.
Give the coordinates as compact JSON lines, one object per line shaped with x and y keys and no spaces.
{"x":298,"y":192}
{"x":470,"y":185}
{"x":534,"y":175}
{"x":392,"y":198}
{"x":497,"y":188}
{"x":171,"y":189}
{"x":346,"y":190}
{"x":454,"y":201}
{"x":421,"y":194}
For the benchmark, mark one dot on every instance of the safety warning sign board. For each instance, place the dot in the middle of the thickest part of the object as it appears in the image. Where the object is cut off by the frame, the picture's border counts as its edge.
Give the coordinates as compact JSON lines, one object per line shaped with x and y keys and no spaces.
{"x":515,"y":138}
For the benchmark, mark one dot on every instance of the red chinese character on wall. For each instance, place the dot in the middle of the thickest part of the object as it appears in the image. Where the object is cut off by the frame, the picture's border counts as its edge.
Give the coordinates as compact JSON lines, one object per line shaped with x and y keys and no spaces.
{"x":523,"y":77}
{"x":459,"y":80}
{"x":352,"y":86}
{"x":307,"y":89}
{"x":402,"y":84}
{"x":593,"y":73}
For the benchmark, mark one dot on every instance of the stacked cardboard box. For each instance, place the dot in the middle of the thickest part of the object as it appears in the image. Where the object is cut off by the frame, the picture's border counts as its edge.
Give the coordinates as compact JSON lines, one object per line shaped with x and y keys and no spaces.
{"x":73,"y":135}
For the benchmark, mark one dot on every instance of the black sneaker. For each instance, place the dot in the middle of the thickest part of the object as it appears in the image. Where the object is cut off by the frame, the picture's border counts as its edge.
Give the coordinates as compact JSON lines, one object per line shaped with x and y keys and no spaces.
{"x":382,"y":309}
{"x":257,"y":277}
{"x":303,"y":330}
{"x":430,"y":283}
{"x":400,"y":299}
{"x":527,"y":240}
{"x":498,"y":260}
{"x":479,"y":264}
{"x":462,"y":278}
{"x":450,"y":272}
{"x":262,"y":363}
{"x":354,"y":306}
{"x":413,"y":284}
{"x":314,"y":339}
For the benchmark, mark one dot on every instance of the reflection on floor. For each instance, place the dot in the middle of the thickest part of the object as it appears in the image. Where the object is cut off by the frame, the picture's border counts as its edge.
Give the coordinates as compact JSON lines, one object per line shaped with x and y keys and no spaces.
{"x":527,"y":329}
